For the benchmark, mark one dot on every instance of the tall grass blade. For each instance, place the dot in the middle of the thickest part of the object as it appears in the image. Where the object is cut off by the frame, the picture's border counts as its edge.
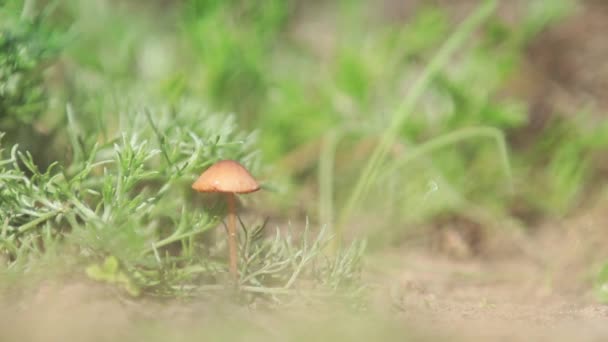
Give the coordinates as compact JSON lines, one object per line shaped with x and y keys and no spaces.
{"x":372,"y":168}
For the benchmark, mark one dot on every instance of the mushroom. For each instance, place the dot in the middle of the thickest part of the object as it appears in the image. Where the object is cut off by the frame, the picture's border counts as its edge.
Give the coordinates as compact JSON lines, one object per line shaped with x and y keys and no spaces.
{"x":229,"y":177}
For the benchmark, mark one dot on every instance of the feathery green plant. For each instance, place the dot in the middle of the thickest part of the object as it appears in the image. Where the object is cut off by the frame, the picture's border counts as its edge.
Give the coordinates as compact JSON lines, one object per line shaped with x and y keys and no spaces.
{"x":129,"y":200}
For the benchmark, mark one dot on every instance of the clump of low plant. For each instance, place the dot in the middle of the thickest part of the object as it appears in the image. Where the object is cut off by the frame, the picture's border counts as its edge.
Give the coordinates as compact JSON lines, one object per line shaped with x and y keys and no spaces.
{"x":124,"y":205}
{"x":283,"y":260}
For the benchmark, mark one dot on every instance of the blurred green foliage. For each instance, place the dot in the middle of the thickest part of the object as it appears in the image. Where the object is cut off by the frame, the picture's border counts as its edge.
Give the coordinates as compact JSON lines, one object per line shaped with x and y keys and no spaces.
{"x":232,"y":41}
{"x":25,"y":47}
{"x":601,"y":284}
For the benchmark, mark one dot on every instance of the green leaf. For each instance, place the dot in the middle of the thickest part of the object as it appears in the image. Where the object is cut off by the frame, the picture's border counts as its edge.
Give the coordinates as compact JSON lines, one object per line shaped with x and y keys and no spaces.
{"x":110,"y":272}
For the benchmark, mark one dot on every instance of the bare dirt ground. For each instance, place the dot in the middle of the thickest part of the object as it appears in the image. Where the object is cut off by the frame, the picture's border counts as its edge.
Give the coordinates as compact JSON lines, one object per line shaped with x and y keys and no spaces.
{"x":522,"y":287}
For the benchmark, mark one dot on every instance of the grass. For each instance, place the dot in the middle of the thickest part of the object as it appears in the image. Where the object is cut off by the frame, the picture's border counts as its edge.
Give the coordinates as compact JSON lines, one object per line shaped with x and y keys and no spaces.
{"x":369,"y":174}
{"x":128,"y":200}
{"x":119,"y":201}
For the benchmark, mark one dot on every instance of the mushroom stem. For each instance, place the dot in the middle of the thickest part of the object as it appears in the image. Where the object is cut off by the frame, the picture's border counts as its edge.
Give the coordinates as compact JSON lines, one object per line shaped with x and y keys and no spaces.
{"x":232,"y":243}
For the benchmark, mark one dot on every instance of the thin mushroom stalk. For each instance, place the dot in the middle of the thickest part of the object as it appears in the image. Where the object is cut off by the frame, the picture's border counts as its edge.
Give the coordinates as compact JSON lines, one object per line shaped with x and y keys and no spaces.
{"x":232,"y":238}
{"x":231,"y":178}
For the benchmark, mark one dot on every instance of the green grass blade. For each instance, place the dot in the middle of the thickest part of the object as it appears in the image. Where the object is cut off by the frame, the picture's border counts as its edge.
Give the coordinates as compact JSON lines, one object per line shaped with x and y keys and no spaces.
{"x":455,"y":137}
{"x":372,"y":168}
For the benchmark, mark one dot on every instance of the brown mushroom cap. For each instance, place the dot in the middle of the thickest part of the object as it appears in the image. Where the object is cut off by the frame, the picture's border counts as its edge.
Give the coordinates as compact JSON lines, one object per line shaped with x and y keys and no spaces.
{"x":226,"y":176}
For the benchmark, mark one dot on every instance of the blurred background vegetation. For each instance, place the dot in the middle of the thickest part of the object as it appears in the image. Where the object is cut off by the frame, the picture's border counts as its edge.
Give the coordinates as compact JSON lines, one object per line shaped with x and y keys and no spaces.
{"x":311,"y":86}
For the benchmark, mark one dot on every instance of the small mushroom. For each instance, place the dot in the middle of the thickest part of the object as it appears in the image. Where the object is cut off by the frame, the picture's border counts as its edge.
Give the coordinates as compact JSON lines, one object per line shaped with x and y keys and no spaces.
{"x":229,"y":177}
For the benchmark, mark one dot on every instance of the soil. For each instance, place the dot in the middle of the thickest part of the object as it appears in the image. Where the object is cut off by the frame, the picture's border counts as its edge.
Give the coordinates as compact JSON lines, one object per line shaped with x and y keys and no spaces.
{"x":519,"y":286}
{"x":533,"y":287}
